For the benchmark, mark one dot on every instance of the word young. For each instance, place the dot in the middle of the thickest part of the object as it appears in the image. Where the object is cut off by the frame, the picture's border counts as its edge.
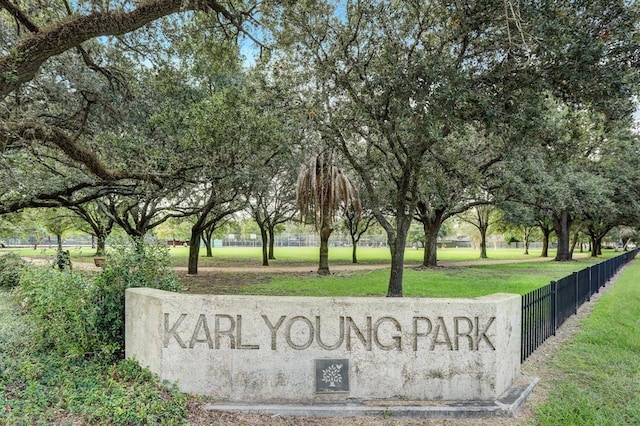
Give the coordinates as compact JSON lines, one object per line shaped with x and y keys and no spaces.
{"x":222,"y":331}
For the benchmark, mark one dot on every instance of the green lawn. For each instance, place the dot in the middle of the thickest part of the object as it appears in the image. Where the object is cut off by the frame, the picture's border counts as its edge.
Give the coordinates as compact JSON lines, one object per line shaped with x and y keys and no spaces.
{"x":285,"y":256}
{"x":598,"y":373}
{"x":342,"y":255}
{"x":289,"y":256}
{"x":455,"y":281}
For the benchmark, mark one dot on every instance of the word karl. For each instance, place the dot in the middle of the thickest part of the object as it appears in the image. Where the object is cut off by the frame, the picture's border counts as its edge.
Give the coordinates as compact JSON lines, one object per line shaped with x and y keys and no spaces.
{"x":300,"y":332}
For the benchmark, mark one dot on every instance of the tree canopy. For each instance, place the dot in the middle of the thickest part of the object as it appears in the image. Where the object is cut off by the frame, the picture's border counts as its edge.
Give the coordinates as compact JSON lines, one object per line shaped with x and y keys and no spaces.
{"x":434,"y":107}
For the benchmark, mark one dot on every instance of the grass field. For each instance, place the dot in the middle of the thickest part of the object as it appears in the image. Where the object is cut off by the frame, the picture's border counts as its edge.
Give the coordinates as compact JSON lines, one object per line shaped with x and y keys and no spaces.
{"x":460,"y":276}
{"x":292,"y":256}
{"x":598,"y":373}
{"x":450,"y":281}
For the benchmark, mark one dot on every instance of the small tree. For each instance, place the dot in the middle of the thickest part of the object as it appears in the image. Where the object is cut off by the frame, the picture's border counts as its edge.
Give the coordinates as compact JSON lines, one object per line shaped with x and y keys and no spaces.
{"x":481,"y":217}
{"x":96,"y":222}
{"x":356,"y":228}
{"x":322,"y":190}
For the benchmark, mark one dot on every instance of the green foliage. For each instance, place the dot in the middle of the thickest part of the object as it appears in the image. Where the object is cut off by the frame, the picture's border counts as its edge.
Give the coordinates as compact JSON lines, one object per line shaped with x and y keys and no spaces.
{"x":58,"y":304}
{"x":50,"y":388}
{"x":80,"y":316}
{"x":127,"y":266}
{"x":10,"y":78}
{"x":57,"y":360}
{"x":15,"y":332}
{"x":10,"y":267}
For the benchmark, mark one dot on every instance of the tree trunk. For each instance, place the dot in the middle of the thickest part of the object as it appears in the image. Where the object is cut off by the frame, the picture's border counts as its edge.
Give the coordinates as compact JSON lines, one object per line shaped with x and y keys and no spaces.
{"x":397,"y":247}
{"x":595,"y":244}
{"x":271,"y":231}
{"x":574,"y":243}
{"x":354,"y":249}
{"x":625,"y":243}
{"x":194,"y":250}
{"x":138,"y":242}
{"x":562,"y":227}
{"x":527,"y":236}
{"x":101,"y":244}
{"x":325,"y":232}
{"x":265,"y":245}
{"x":431,"y":224}
{"x":430,"y":258}
{"x":207,"y":238}
{"x":483,"y":242}
{"x":546,"y":234}
{"x":323,"y":264}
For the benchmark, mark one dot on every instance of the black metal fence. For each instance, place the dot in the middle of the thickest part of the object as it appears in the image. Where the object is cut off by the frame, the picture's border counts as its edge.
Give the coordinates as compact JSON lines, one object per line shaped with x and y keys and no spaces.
{"x":546,"y":308}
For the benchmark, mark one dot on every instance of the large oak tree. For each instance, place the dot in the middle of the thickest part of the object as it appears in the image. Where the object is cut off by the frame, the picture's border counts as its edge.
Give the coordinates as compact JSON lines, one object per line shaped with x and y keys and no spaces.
{"x":65,"y":72}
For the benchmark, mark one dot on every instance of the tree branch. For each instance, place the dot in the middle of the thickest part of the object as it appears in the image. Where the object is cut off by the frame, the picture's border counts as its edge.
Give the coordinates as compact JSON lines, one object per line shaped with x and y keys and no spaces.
{"x":56,"y":198}
{"x":22,"y":63}
{"x":12,"y":133}
{"x":19,"y":15}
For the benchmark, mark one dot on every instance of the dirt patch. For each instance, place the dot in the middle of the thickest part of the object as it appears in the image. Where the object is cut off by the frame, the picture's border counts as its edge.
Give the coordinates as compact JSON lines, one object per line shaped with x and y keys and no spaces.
{"x":227,"y":279}
{"x":225,"y":282}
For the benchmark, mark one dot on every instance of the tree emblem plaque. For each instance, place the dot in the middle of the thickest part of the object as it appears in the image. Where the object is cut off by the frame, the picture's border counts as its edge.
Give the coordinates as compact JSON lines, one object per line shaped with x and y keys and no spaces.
{"x":332,"y":375}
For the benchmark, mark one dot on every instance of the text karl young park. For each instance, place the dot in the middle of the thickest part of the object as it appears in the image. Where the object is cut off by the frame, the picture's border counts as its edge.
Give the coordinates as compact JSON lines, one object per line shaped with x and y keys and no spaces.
{"x":227,"y":331}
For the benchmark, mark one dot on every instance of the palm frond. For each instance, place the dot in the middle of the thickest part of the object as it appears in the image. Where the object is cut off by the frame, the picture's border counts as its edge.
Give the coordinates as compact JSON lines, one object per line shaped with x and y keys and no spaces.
{"x":323,"y":189}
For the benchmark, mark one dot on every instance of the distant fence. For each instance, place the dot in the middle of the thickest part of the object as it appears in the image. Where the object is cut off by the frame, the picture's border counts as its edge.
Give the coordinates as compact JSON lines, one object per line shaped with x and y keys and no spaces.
{"x":545,"y":309}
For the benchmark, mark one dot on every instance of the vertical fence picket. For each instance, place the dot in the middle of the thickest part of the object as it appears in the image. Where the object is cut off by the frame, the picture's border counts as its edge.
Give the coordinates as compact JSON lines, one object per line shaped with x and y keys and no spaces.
{"x":576,"y":294}
{"x":589,"y":279}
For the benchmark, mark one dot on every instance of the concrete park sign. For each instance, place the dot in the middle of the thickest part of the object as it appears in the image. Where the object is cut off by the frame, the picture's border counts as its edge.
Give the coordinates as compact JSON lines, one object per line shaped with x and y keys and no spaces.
{"x":305,"y":350}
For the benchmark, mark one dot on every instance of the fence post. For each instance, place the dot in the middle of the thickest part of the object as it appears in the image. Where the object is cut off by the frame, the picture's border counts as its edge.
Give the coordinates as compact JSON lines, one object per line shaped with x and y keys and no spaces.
{"x":523,"y":326}
{"x":577,"y":293}
{"x":554,"y":304}
{"x":589,"y":278}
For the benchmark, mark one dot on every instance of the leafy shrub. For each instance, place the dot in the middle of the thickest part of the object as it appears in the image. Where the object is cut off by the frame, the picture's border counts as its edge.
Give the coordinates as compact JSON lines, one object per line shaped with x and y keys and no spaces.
{"x":56,"y":360}
{"x":81,"y":316}
{"x":10,"y":267}
{"x":46,"y":388}
{"x":63,"y":320}
{"x":127,"y":266}
{"x":136,"y":396}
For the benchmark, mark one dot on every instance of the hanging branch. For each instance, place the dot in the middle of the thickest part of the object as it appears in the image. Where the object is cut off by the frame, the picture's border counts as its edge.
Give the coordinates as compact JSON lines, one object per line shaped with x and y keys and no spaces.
{"x":22,"y":62}
{"x":19,"y":16}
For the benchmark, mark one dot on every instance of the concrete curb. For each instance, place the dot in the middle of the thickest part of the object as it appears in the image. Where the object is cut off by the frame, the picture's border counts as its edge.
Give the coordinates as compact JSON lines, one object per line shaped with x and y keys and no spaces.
{"x":507,"y":406}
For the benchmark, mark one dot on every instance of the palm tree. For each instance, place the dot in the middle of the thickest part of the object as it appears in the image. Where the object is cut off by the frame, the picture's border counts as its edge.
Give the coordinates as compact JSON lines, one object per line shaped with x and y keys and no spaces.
{"x":322,"y":190}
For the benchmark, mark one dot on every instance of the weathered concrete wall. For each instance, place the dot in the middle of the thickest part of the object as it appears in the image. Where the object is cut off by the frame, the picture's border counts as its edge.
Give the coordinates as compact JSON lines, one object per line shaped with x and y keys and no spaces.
{"x":302,"y":349}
